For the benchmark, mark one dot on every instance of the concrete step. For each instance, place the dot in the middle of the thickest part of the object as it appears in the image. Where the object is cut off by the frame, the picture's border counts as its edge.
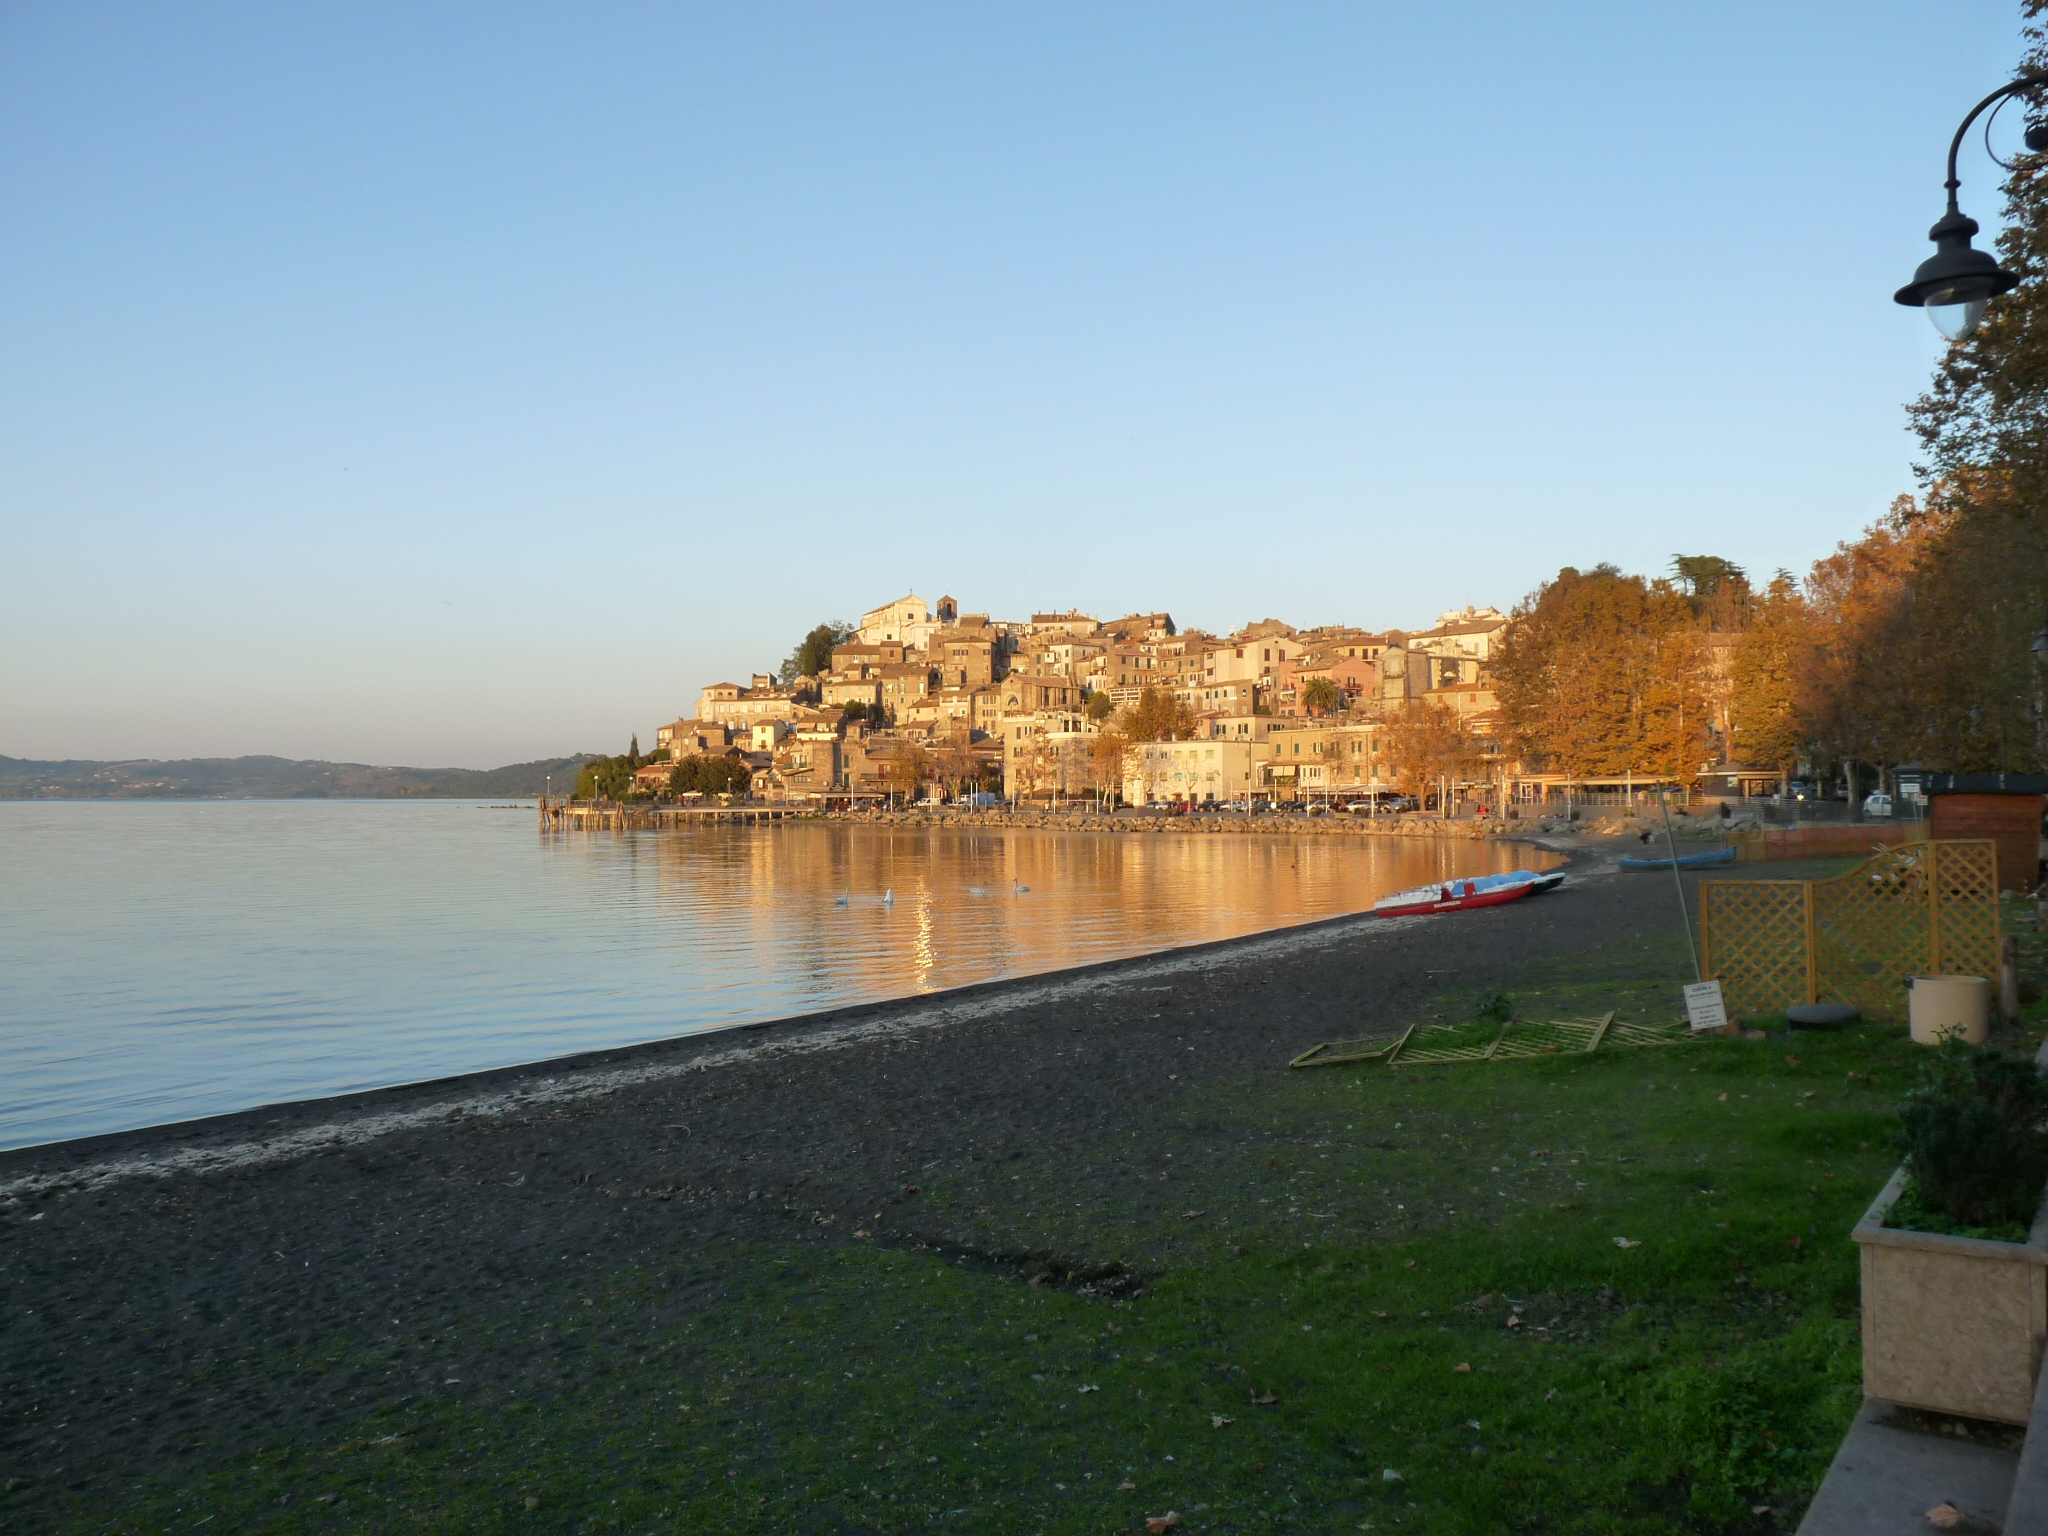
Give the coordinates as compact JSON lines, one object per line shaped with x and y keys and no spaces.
{"x":1884,"y":1479}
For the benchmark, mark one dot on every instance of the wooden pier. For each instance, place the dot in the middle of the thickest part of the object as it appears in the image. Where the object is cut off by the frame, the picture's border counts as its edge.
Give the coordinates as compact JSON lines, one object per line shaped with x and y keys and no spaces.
{"x":566,"y":815}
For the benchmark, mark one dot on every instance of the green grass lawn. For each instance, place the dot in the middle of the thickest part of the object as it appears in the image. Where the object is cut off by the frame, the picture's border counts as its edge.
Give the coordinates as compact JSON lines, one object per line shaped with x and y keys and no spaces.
{"x":1593,"y":1294}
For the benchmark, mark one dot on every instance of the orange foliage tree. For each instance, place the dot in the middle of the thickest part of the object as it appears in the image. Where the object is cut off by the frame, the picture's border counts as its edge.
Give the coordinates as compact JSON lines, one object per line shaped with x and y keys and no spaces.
{"x":1600,"y":673}
{"x":1770,"y":668}
{"x":1424,"y":742}
{"x":1157,"y":716}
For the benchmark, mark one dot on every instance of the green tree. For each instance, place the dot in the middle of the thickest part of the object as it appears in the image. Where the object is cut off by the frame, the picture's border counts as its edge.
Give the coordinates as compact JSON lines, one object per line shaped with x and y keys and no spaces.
{"x":605,"y":778}
{"x":813,"y":653}
{"x":710,"y":775}
{"x":1704,"y":575}
{"x":1100,"y":705}
{"x":853,"y":709}
{"x":1718,"y":589}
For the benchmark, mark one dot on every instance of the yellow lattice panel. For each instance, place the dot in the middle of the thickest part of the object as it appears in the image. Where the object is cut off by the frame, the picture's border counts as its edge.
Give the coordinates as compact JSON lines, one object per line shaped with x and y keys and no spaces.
{"x":1919,"y":909}
{"x":1528,"y":1037}
{"x":1753,"y":939}
{"x":1873,"y":927}
{"x":1966,"y":880}
{"x":1434,"y":1044}
{"x":1648,"y":1034}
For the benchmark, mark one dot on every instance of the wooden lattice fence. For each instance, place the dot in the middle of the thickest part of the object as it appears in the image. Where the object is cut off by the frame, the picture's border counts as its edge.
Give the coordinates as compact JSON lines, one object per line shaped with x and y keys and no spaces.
{"x":1921,"y":909}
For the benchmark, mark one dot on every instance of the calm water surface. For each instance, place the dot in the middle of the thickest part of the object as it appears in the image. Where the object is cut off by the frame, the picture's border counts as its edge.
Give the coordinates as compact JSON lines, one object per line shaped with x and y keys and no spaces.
{"x":164,"y":961}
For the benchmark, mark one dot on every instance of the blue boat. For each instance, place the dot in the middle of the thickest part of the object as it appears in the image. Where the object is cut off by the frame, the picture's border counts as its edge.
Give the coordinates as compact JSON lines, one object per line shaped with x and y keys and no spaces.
{"x":1705,"y":860}
{"x":1549,"y":880}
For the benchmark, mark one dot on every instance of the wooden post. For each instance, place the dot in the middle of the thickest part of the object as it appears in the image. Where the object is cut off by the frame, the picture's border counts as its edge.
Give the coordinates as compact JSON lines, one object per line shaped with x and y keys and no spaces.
{"x":1706,"y":933}
{"x":1812,"y":944}
{"x":1934,"y":967}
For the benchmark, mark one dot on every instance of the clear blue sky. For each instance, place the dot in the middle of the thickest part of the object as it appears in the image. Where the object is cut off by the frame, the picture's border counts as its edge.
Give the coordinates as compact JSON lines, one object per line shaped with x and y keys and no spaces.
{"x":451,"y":385}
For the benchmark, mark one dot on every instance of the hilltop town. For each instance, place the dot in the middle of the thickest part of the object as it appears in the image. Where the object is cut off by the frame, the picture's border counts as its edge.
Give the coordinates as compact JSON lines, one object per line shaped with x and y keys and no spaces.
{"x":922,"y":700}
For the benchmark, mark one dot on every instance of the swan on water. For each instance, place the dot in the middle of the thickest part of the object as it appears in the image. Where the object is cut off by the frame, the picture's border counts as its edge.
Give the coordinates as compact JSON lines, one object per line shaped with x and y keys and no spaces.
{"x":841,"y":901}
{"x":1020,"y":886}
{"x":889,"y":897}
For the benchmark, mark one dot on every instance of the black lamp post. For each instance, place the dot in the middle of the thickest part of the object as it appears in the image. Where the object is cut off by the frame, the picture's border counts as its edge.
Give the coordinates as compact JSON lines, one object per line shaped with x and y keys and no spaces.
{"x":1954,"y":283}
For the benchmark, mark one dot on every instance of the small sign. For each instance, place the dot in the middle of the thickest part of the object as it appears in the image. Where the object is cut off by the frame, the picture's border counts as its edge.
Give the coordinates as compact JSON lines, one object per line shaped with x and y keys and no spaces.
{"x":1703,"y":1005}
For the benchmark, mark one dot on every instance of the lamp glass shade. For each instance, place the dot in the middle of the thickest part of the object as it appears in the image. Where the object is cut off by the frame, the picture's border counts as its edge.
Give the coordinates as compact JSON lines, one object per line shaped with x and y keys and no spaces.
{"x":1954,"y":282}
{"x":1954,"y":317}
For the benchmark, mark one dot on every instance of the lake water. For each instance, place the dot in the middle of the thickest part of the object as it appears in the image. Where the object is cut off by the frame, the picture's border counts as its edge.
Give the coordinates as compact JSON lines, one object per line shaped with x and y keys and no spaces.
{"x":161,"y":961}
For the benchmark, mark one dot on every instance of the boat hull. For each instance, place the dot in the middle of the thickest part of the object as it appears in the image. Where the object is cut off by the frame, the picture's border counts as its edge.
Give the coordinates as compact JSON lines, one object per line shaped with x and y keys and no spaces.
{"x":1457,"y":896}
{"x":1685,"y":860}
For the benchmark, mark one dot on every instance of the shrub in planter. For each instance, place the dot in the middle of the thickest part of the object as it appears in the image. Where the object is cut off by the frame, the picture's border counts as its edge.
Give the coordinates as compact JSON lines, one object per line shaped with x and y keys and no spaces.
{"x":1974,"y":1146}
{"x":1955,"y":1283}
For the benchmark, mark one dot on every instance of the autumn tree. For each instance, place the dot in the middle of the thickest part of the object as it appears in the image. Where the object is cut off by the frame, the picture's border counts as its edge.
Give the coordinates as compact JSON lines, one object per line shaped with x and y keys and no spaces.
{"x":1770,"y":666}
{"x":1921,"y":646}
{"x":905,"y":767}
{"x":1106,"y":749}
{"x":1157,"y":716}
{"x":957,"y":765}
{"x":1983,"y":426}
{"x":1854,"y":699}
{"x":1600,"y":673}
{"x":1423,"y":743}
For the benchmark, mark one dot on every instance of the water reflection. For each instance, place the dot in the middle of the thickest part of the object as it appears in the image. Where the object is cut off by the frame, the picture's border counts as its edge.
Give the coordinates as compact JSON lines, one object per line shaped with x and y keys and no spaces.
{"x":886,"y":911}
{"x":168,"y":960}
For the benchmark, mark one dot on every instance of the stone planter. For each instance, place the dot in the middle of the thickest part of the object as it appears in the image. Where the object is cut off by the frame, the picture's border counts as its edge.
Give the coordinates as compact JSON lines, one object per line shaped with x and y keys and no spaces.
{"x":1952,"y":1324}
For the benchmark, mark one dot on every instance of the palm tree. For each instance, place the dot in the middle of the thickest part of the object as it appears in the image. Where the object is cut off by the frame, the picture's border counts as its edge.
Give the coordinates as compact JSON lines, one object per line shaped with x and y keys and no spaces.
{"x":1319,"y":695}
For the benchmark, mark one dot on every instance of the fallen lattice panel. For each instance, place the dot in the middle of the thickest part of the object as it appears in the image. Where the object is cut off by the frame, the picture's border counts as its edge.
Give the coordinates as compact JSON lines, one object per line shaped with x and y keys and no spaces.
{"x":1518,"y":1039}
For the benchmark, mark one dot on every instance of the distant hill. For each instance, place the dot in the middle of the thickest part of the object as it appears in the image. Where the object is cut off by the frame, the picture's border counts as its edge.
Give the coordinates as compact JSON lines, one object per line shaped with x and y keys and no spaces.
{"x":274,"y":778}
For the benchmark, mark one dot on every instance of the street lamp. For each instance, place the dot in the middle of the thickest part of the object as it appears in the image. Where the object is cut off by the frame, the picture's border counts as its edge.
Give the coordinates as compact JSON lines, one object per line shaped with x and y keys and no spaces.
{"x":1954,"y":283}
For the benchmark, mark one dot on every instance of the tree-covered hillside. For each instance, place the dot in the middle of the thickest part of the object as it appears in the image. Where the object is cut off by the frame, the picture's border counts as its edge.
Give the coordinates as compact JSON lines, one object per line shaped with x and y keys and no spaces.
{"x":273,"y":778}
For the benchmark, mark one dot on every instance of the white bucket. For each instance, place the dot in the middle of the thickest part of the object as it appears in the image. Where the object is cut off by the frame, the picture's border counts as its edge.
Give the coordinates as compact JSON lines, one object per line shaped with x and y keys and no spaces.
{"x":1944,"y":1006}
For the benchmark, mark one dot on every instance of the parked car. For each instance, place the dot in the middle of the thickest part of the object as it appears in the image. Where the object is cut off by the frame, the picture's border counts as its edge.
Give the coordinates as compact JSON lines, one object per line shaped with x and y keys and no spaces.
{"x":1877,"y":804}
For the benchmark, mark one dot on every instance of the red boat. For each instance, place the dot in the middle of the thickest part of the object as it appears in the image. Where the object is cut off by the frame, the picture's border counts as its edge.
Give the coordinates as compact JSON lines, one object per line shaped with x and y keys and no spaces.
{"x":1452,"y":896}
